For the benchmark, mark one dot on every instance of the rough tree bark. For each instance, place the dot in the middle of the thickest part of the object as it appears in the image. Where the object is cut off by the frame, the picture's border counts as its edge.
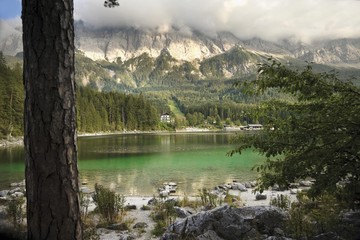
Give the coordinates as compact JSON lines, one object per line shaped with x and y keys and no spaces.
{"x":53,"y":206}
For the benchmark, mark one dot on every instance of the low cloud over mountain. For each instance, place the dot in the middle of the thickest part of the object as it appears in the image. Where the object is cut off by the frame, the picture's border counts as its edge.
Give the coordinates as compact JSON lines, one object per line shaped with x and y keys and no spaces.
{"x":304,"y":20}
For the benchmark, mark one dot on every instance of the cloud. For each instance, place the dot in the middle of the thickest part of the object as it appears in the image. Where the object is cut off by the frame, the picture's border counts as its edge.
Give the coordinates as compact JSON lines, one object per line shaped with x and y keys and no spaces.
{"x":304,"y":20}
{"x":269,"y":19}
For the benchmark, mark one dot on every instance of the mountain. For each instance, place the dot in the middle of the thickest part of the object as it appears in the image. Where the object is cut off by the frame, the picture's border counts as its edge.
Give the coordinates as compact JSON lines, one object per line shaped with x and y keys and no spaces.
{"x":133,"y":58}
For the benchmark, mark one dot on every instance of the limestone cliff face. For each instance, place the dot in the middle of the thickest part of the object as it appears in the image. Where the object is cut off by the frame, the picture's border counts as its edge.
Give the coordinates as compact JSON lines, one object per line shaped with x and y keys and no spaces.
{"x":335,"y":52}
{"x":128,"y":43}
{"x":186,"y":44}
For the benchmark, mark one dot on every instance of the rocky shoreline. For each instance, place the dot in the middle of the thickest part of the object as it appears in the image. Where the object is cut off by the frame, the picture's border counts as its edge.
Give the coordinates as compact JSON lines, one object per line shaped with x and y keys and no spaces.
{"x":242,"y":194}
{"x":11,"y":142}
{"x":245,"y":215}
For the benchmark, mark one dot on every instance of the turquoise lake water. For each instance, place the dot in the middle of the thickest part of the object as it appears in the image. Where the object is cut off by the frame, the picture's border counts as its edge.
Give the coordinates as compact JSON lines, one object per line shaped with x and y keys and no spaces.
{"x":137,"y":164}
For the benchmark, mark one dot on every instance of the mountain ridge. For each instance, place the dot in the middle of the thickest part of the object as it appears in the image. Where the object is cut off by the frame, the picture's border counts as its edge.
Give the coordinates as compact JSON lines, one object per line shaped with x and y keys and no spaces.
{"x":185,"y":44}
{"x":128,"y":58}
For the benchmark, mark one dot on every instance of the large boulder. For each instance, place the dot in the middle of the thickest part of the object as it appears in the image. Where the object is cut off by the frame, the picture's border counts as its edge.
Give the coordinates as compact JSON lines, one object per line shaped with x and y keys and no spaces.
{"x":351,"y":224}
{"x":230,"y":224}
{"x":181,"y":212}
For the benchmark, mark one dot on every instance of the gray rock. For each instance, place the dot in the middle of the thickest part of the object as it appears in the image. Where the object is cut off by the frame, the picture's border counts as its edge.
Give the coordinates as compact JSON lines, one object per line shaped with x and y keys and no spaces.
{"x":85,"y":190}
{"x":276,"y":187}
{"x":306,"y":183}
{"x":14,"y":190}
{"x":327,"y":236}
{"x":209,"y":235}
{"x":278,"y":232}
{"x":229,"y":223}
{"x":351,"y":223}
{"x":118,"y":226}
{"x":247,"y":185}
{"x":277,"y":238}
{"x":294,"y":185}
{"x":181,"y":212}
{"x":130,"y":207}
{"x":253,"y":184}
{"x":239,"y":186}
{"x":17,"y":194}
{"x":164,"y":193}
{"x":295,"y":190}
{"x":152,"y":201}
{"x":126,"y":236}
{"x":4,"y":193}
{"x":140,"y":225}
{"x":261,"y":196}
{"x":22,"y":183}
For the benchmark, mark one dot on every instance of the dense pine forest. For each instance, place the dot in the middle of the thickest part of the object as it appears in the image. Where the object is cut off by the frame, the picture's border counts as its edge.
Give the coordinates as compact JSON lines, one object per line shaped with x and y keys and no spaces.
{"x":206,"y":104}
{"x":96,"y":111}
{"x":11,"y":99}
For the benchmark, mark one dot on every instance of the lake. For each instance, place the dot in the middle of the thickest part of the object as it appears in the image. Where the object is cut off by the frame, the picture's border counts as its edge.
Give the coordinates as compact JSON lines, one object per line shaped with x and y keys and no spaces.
{"x":138,"y":164}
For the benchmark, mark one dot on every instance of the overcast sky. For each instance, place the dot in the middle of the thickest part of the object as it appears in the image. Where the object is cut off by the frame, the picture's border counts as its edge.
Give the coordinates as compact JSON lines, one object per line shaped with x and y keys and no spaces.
{"x":268,"y":19}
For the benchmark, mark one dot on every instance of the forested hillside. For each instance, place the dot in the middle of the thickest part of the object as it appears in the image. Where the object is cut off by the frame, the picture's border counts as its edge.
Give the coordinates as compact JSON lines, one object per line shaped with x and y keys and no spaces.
{"x":132,"y":94}
{"x":97,"y":111}
{"x":11,"y":99}
{"x":114,"y":112}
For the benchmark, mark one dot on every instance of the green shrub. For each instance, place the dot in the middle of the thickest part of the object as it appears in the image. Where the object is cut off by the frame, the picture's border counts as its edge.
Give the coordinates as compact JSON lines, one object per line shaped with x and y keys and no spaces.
{"x":159,"y":228}
{"x":186,"y":202}
{"x":108,"y":203}
{"x":311,"y":217}
{"x":281,"y":201}
{"x":208,"y":199}
{"x":232,"y":200}
{"x":15,"y":211}
{"x":163,"y":214}
{"x":84,"y":204}
{"x":90,"y":233}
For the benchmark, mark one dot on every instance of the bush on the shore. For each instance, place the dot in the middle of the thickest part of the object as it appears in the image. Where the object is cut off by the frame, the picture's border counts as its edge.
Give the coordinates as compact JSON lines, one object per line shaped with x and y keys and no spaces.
{"x":186,"y":202}
{"x":108,"y":203}
{"x":84,"y":204}
{"x":281,"y":201}
{"x":309,"y":217}
{"x":15,"y":211}
{"x":163,"y":214}
{"x":209,"y":199}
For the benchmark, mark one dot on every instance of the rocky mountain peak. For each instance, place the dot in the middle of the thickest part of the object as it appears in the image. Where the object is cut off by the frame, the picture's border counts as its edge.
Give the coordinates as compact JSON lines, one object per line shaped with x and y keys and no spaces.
{"x":187,"y":45}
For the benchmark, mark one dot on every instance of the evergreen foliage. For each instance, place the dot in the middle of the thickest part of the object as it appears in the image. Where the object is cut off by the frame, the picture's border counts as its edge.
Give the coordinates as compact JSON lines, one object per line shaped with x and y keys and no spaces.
{"x":316,"y":136}
{"x":11,"y":99}
{"x":97,"y":111}
{"x":114,"y":112}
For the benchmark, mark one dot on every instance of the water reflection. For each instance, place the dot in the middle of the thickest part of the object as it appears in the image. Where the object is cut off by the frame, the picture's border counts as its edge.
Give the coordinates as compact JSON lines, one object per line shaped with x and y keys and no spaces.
{"x":138,"y":164}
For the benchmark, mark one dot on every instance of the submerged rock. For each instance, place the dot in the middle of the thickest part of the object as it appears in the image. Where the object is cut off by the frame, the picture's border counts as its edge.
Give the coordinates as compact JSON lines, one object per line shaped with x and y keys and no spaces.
{"x":4,"y":193}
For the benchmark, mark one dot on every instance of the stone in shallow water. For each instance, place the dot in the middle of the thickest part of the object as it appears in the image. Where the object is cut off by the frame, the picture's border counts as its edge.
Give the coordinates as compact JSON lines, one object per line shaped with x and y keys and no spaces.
{"x":4,"y":193}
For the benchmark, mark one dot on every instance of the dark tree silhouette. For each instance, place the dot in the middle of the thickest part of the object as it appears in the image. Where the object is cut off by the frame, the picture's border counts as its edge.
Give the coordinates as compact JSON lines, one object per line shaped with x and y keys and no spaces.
{"x":53,"y":209}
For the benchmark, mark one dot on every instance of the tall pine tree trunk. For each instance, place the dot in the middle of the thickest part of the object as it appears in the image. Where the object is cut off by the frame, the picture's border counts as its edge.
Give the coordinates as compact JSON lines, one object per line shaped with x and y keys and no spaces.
{"x":53,"y":208}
